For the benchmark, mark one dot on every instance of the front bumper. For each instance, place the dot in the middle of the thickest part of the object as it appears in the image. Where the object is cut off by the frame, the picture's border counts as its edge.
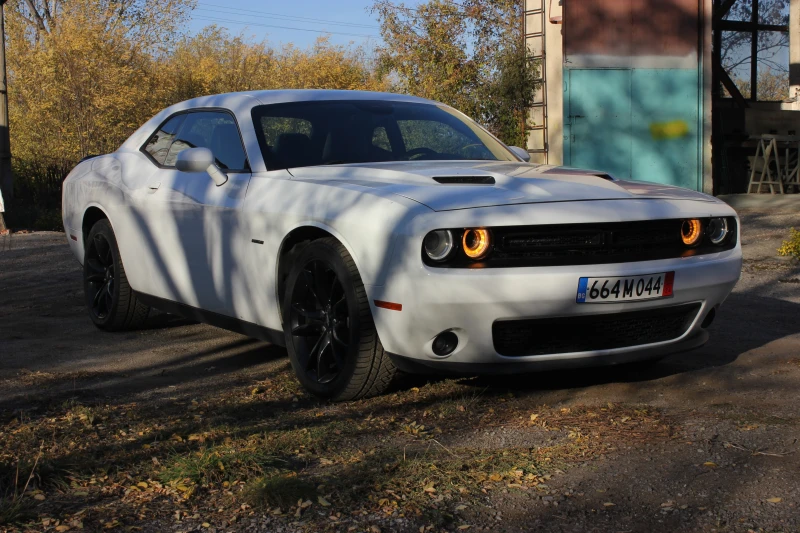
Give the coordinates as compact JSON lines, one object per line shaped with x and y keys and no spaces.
{"x":468,"y":302}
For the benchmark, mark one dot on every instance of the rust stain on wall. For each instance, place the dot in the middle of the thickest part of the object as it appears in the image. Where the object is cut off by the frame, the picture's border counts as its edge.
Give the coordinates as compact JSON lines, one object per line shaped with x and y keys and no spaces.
{"x":631,"y":27}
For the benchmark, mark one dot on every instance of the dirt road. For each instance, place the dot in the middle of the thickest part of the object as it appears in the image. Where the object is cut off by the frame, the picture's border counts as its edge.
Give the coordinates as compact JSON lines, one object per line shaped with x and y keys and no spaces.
{"x":703,"y":441}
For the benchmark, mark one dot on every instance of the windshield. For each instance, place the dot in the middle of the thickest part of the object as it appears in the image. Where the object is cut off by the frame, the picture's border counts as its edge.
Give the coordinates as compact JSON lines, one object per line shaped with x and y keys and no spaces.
{"x":338,"y":132}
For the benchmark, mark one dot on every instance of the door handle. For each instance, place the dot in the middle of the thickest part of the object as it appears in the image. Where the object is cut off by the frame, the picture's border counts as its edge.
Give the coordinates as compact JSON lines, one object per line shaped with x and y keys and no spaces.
{"x":153,"y":186}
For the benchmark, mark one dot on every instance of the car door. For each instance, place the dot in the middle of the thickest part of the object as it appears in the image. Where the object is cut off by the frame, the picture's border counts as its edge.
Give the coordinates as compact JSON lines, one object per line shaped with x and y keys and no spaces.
{"x":193,"y":224}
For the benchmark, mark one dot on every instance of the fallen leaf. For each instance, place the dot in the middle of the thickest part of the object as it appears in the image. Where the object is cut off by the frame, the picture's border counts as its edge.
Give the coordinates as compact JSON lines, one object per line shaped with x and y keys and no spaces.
{"x":206,"y":524}
{"x":496,"y":477}
{"x":39,"y":497}
{"x":323,"y":502}
{"x":62,"y":528}
{"x":462,"y":527}
{"x":324,"y":461}
{"x":534,"y":417}
{"x":710,"y":464}
{"x":460,"y":507}
{"x":609,"y":504}
{"x":142,"y":485}
{"x":774,"y":500}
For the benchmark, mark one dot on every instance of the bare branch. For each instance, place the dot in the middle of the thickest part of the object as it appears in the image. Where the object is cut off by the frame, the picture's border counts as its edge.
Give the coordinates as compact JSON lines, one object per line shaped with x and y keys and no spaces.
{"x":40,"y":26}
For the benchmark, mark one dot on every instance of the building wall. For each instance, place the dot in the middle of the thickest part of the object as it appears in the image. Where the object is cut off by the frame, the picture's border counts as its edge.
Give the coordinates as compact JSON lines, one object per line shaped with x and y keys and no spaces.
{"x":628,"y":82}
{"x":633,"y":100}
{"x":552,"y":90}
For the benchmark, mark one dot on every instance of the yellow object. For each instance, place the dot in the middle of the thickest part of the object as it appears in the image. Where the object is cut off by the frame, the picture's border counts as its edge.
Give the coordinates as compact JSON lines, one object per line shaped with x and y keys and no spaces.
{"x":791,"y":246}
{"x":476,"y":243}
{"x":673,"y":129}
{"x":691,"y":232}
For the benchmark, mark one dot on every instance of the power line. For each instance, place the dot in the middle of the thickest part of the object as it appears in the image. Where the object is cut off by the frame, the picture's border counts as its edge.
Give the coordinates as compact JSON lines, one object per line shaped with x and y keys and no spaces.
{"x":285,"y":17}
{"x":248,"y":23}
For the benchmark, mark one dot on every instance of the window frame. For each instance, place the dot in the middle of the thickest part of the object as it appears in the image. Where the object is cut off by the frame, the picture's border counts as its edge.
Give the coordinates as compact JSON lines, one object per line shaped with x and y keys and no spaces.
{"x":247,"y":168}
{"x":753,"y":27}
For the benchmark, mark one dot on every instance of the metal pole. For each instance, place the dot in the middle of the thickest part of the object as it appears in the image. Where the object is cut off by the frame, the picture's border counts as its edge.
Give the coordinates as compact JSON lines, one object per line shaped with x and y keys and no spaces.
{"x":6,"y":179}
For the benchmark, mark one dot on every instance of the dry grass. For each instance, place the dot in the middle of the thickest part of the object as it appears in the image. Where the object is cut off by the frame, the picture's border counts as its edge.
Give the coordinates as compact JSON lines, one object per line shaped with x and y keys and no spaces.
{"x":265,"y":449}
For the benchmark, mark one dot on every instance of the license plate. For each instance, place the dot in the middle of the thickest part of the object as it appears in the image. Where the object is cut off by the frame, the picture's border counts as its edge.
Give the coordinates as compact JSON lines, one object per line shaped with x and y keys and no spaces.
{"x":625,"y":289}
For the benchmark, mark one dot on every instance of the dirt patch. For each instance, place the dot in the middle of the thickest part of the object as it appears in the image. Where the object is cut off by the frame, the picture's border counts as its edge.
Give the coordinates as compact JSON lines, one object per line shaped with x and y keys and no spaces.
{"x":183,"y":427}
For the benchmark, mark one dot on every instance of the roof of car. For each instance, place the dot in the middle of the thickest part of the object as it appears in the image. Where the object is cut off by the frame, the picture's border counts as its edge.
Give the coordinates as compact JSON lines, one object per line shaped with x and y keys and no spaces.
{"x":302,"y":95}
{"x":242,"y":102}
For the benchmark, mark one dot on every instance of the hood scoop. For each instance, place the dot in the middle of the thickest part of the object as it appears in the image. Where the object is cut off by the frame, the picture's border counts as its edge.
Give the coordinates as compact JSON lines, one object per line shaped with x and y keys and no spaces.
{"x":464,"y":180}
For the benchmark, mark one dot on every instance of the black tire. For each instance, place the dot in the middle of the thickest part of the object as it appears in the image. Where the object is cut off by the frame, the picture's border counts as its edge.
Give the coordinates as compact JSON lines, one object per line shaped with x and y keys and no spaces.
{"x":330,"y":335}
{"x":111,"y":302}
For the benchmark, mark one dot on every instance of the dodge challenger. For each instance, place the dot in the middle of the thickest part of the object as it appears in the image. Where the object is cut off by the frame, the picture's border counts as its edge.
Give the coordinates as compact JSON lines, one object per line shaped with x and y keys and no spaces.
{"x":372,"y":232}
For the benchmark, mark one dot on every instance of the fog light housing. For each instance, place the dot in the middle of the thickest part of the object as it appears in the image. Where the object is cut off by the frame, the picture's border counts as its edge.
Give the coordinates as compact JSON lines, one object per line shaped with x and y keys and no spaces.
{"x":691,"y":232}
{"x":445,"y":343}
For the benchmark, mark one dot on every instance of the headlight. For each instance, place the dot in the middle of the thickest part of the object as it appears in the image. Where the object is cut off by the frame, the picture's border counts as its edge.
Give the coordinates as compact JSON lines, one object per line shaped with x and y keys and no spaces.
{"x":717,"y":230}
{"x":476,"y":242}
{"x":438,"y":244}
{"x":691,"y":232}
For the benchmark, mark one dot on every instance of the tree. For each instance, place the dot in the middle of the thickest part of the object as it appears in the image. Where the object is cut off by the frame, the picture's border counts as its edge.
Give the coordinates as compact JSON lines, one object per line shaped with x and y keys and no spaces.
{"x":82,"y":75}
{"x":470,"y":55}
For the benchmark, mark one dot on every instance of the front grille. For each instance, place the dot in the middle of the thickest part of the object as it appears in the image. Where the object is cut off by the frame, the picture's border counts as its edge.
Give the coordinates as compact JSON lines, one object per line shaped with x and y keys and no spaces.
{"x":586,"y":333}
{"x":587,"y":244}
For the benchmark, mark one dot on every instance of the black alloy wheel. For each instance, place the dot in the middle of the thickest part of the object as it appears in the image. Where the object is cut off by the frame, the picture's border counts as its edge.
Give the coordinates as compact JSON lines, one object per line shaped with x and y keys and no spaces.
{"x":99,"y":277}
{"x":330,"y":335}
{"x":110,"y":300}
{"x":320,"y":322}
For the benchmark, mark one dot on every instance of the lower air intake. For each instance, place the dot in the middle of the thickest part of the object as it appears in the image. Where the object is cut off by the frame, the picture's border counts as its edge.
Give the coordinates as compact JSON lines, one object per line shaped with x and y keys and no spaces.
{"x":542,"y":336}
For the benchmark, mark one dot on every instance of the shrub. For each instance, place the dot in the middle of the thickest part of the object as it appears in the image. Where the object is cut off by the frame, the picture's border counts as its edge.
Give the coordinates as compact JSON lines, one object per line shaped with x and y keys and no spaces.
{"x":792,"y":246}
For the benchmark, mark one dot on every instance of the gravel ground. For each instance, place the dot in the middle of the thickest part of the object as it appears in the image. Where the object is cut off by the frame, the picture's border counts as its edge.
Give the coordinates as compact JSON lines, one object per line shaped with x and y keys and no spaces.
{"x":730,"y":461}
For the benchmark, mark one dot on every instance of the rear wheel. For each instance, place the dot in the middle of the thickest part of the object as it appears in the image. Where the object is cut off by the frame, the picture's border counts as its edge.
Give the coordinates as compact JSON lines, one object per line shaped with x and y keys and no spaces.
{"x":330,"y":335}
{"x":111,"y":302}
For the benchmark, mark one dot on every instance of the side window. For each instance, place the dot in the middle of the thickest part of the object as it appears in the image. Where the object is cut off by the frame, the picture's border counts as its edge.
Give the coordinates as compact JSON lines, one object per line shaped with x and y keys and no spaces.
{"x":214,"y":130}
{"x":159,"y":143}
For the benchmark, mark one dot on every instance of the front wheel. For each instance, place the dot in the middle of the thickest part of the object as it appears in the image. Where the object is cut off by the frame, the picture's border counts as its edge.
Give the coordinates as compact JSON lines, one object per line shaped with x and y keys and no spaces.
{"x":333,"y":346}
{"x":111,"y":302}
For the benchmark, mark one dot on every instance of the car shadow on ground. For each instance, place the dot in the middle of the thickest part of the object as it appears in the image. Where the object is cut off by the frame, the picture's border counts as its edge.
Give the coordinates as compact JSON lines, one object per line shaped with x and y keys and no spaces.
{"x":744,"y":323}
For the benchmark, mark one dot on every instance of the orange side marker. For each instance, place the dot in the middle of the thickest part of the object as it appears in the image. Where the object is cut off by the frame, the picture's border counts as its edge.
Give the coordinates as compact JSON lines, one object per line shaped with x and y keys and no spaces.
{"x":389,"y":305}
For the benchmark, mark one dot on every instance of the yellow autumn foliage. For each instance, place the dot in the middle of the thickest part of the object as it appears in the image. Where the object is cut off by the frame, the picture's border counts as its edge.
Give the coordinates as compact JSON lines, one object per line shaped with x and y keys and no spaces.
{"x":84,"y":74}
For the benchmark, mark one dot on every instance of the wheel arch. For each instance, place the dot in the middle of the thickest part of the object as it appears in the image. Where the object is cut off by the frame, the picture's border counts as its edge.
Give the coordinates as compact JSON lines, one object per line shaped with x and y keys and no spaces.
{"x":302,"y":233}
{"x":91,"y":215}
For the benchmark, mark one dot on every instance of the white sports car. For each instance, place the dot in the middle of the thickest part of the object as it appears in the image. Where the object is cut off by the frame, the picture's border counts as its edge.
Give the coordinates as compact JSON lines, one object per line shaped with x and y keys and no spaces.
{"x":371,"y":232}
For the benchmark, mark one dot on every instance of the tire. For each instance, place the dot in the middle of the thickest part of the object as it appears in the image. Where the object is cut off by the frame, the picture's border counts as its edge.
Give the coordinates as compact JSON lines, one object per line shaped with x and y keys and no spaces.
{"x":330,"y":335}
{"x":111,"y":302}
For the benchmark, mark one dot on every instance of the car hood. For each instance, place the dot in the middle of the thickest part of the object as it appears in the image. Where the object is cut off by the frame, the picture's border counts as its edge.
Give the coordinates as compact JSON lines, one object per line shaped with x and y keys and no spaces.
{"x":468,"y":184}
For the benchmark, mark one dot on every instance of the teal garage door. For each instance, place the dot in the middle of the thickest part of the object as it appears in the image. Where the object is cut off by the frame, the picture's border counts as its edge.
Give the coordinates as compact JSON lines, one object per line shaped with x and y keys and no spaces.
{"x":639,"y":124}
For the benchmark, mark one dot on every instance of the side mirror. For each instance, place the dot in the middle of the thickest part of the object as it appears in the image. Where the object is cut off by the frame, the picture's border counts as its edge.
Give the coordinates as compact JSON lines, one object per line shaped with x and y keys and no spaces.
{"x":200,"y":160}
{"x":521,"y":153}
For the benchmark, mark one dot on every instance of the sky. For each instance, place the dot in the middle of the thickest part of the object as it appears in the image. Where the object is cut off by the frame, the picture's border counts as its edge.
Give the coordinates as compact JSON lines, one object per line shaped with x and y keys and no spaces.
{"x":299,"y":22}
